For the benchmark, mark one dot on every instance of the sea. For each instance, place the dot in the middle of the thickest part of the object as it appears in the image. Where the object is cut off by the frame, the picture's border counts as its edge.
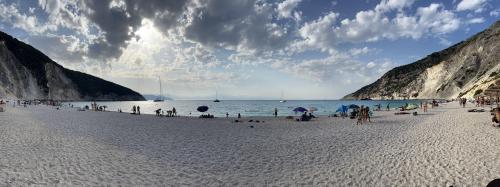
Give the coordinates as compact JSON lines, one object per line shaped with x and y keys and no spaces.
{"x":244,"y":107}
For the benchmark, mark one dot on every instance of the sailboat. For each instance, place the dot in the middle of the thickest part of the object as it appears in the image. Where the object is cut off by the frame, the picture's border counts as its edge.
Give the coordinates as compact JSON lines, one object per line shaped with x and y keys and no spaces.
{"x":159,"y":99}
{"x":216,"y":99}
{"x":281,"y":98}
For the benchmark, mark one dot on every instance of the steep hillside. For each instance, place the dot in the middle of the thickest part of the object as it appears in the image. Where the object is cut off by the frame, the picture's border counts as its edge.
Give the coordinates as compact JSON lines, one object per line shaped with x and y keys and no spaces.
{"x":462,"y":70}
{"x":26,"y":73}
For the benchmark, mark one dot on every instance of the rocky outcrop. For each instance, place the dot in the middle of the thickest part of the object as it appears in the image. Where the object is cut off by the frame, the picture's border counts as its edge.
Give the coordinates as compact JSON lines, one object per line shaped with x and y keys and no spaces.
{"x":462,"y":70}
{"x":26,"y":73}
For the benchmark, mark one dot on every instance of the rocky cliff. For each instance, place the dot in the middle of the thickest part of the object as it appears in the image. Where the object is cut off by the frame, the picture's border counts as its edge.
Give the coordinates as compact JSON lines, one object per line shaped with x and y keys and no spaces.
{"x":462,"y":70}
{"x":26,"y":73}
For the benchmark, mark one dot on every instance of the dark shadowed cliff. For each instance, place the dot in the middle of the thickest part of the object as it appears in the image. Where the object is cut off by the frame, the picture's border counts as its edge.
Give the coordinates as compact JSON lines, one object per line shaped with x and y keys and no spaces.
{"x":26,"y":73}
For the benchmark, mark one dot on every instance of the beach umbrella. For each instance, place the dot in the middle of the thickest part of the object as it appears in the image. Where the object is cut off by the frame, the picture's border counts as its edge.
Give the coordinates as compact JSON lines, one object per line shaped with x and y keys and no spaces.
{"x":202,"y":108}
{"x":312,"y":109}
{"x":299,"y":109}
{"x":353,"y":106}
{"x":342,"y":108}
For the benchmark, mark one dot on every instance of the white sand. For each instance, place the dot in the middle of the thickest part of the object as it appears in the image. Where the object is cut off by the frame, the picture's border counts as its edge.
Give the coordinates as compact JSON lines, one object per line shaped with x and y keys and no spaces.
{"x":43,"y":146}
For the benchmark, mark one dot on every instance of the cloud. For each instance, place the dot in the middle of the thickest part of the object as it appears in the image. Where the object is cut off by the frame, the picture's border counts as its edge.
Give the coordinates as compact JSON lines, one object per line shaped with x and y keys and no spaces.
{"x":495,"y":13}
{"x":476,"y":5}
{"x":67,"y":14}
{"x":360,"y":51}
{"x":235,"y":25}
{"x":65,"y":49}
{"x":286,"y":9}
{"x":118,"y":23}
{"x":388,"y":5}
{"x":10,"y":14}
{"x":326,"y":33}
{"x":319,"y":33}
{"x":475,"y":20}
{"x":339,"y":67}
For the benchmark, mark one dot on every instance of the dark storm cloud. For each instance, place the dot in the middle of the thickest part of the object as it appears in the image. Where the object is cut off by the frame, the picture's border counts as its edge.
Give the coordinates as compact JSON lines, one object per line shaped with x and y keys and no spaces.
{"x":120,"y":22}
{"x":229,"y":23}
{"x":242,"y":24}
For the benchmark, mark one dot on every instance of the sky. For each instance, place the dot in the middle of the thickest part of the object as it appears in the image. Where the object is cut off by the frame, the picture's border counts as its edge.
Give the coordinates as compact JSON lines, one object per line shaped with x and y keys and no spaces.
{"x":243,"y":49}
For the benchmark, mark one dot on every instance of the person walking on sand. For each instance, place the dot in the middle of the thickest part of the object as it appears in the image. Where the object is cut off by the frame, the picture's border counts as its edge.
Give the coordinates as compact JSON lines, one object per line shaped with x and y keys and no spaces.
{"x":239,"y":115}
{"x":174,"y":111}
{"x":425,"y":106}
{"x":138,"y":110}
{"x":275,"y":112}
{"x":133,"y":109}
{"x":388,"y":106}
{"x":368,"y":114}
{"x":227,"y":115}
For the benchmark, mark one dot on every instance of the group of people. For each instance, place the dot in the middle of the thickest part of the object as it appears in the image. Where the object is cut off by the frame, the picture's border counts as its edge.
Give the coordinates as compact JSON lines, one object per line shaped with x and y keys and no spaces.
{"x":206,"y":116}
{"x":480,"y":101}
{"x":170,"y":113}
{"x":136,"y":110}
{"x":363,"y":115}
{"x":306,"y":116}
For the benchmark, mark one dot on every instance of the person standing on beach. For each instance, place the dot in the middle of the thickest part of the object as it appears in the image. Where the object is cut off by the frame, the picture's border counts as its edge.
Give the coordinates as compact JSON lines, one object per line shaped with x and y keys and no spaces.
{"x":239,"y":115}
{"x":174,"y":111}
{"x":227,"y":115}
{"x":138,"y":110}
{"x":360,"y":116}
{"x":425,"y":106}
{"x":275,"y":112}
{"x":368,"y":114}
{"x":388,"y":106}
{"x":133,"y":109}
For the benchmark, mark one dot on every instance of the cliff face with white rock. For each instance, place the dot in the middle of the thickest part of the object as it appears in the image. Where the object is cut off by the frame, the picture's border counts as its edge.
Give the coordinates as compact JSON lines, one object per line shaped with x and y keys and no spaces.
{"x":462,"y":70}
{"x":26,"y":73}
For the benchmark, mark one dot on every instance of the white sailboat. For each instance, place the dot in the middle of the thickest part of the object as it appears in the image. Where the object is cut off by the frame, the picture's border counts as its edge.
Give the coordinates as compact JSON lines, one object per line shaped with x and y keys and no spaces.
{"x":159,"y":99}
{"x":216,"y":99}
{"x":282,"y":100}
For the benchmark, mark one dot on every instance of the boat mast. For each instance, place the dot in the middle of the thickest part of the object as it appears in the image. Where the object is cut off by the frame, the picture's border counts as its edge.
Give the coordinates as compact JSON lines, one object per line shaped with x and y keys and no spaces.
{"x":161,"y":96}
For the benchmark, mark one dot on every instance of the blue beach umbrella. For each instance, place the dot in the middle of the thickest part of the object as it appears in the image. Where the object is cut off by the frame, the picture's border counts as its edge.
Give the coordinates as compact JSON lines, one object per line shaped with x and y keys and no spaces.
{"x":299,"y":109}
{"x":342,"y":108}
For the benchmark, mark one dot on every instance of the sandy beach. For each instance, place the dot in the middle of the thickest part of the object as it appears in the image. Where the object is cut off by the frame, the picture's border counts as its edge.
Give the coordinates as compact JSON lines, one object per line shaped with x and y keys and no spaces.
{"x":447,"y":146}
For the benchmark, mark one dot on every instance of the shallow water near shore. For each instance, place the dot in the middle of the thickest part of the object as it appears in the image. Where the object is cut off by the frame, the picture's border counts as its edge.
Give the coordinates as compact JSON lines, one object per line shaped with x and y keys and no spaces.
{"x":244,"y":107}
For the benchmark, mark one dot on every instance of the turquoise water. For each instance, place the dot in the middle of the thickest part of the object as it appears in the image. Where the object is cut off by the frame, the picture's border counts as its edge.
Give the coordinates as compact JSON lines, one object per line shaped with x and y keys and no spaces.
{"x":246,"y":108}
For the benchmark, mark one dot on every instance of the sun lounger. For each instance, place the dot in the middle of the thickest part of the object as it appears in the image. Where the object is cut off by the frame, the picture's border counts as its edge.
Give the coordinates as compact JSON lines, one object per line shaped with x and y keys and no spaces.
{"x":476,"y":110}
